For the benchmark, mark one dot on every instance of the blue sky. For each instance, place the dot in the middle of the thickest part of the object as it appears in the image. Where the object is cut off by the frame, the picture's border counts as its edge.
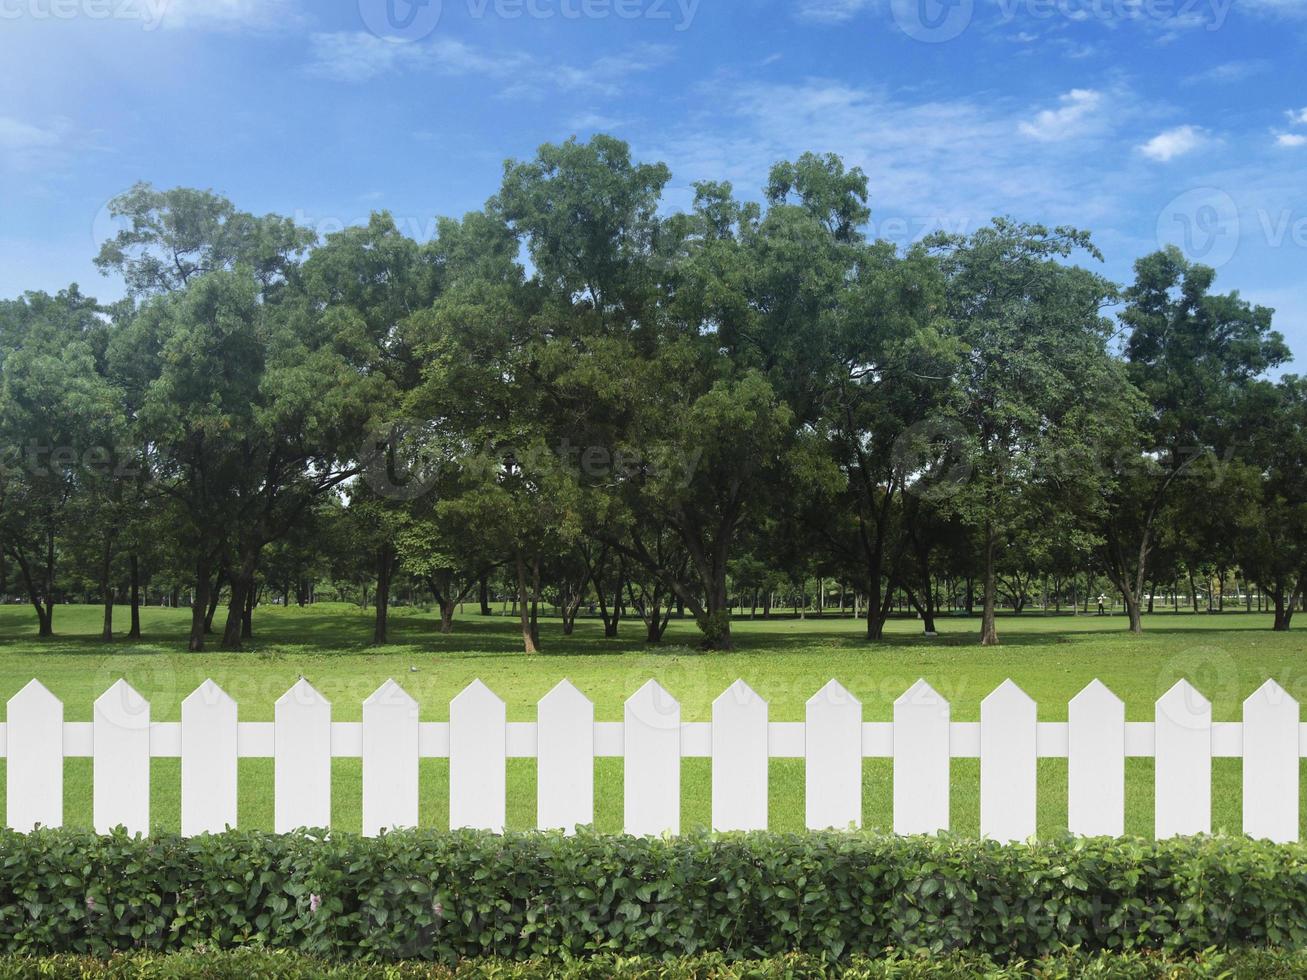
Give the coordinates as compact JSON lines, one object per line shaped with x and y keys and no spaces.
{"x":1141,"y":120}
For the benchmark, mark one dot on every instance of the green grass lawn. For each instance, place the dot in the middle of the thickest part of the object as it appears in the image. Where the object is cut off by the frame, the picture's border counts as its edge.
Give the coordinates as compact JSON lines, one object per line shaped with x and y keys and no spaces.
{"x":786,"y":660}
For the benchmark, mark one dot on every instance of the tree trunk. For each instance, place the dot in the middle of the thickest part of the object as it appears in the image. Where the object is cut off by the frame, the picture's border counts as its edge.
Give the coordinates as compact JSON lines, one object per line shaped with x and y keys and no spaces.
{"x":526,"y":605}
{"x":242,"y":588}
{"x":716,"y":623}
{"x":214,"y":598}
{"x":988,"y":625}
{"x":483,"y":593}
{"x":385,"y":570}
{"x":1283,"y":614}
{"x":247,"y":619}
{"x":200,"y":605}
{"x":44,"y":610}
{"x":107,"y":588}
{"x":135,"y":564}
{"x":1132,"y":610}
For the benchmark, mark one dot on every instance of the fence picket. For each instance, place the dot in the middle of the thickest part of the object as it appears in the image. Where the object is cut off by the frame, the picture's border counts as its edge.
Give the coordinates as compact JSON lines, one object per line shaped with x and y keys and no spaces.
{"x":565,"y":771}
{"x":302,"y":759}
{"x":1007,"y":764}
{"x":651,"y":784}
{"x":832,"y":745}
{"x":1270,"y":764}
{"x":651,"y":740}
{"x":34,"y":764}
{"x":477,"y":750}
{"x":209,"y":718}
{"x":921,"y":761}
{"x":390,"y":760}
{"x":1182,"y":736}
{"x":121,"y":774}
{"x":739,"y":759}
{"x":1095,"y":768}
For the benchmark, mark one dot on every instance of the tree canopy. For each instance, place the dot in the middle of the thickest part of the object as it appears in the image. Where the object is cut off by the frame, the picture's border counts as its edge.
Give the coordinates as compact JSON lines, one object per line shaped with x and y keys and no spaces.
{"x":579,"y":397}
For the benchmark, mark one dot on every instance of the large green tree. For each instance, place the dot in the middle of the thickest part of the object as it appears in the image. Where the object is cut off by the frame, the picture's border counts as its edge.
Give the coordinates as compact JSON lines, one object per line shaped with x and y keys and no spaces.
{"x":1197,"y":357}
{"x":1038,"y":398}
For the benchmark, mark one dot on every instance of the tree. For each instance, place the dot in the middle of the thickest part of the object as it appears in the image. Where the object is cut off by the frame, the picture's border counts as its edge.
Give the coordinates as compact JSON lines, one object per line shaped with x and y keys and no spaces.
{"x":1271,"y":543}
{"x":1196,"y":357}
{"x":1037,"y":394}
{"x":63,"y":423}
{"x":177,"y":236}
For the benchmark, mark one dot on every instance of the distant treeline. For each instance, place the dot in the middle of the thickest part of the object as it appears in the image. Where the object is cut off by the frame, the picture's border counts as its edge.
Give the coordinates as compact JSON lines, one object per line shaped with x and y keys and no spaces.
{"x":585,"y":400}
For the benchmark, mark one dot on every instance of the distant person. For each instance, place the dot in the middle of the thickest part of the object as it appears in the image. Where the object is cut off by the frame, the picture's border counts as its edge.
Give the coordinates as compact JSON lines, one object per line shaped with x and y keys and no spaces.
{"x":1102,"y":611}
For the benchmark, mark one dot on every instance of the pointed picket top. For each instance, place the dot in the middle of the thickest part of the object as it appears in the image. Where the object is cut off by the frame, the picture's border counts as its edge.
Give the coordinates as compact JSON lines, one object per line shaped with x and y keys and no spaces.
{"x":920,"y":693}
{"x":34,"y":694}
{"x":1271,"y":695}
{"x":1271,"y":736}
{"x":302,"y":693}
{"x":390,"y":694}
{"x":739,"y":759}
{"x":564,"y":759}
{"x":832,"y":759}
{"x":654,"y":706}
{"x":563,"y":695}
{"x":1096,"y":762}
{"x":1184,"y":705}
{"x":921,"y":761}
{"x":1007,"y":764}
{"x":208,"y":695}
{"x":833,"y":692}
{"x":1006,"y":695}
{"x":474,"y":694}
{"x":1095,"y":694}
{"x":740,"y":695}
{"x":123,"y":705}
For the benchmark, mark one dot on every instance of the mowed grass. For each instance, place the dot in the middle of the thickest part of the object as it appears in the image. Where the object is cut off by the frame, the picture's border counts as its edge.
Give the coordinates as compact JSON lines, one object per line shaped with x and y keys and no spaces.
{"x":786,"y":660}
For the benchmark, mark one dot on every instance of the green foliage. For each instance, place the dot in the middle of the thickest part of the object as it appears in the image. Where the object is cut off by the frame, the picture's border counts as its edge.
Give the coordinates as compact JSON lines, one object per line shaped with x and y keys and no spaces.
{"x":448,"y":897}
{"x":281,"y":965}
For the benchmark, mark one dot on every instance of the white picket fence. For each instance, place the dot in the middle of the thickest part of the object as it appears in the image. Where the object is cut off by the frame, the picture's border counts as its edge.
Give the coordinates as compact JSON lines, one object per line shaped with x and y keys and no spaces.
{"x":565,"y":740}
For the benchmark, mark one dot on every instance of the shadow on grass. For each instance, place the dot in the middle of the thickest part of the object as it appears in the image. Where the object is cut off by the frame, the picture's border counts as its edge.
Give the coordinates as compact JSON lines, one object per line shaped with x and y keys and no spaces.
{"x":344,"y":630}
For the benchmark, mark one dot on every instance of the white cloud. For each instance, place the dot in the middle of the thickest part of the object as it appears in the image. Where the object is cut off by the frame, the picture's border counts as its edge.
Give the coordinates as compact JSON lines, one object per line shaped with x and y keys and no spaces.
{"x":1230,"y":71}
{"x":1298,"y":117}
{"x":607,"y":74}
{"x":830,"y":11}
{"x":1290,"y":139}
{"x":1077,"y":115}
{"x":232,"y":15}
{"x":359,"y":56}
{"x":1276,"y":8}
{"x":595,"y":122}
{"x":16,"y":135}
{"x":26,"y":146}
{"x":1173,"y":143}
{"x":932,"y":165}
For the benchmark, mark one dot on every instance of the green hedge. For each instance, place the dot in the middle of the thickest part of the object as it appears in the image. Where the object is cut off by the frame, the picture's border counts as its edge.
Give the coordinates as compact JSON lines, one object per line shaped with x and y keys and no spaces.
{"x":281,"y":965}
{"x":448,"y":897}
